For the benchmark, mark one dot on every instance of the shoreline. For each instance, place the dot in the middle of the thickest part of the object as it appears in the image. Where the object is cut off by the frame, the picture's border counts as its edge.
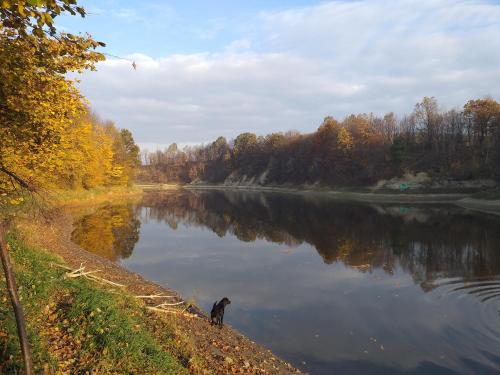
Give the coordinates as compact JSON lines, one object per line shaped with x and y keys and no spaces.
{"x":223,"y":351}
{"x":481,"y":205}
{"x":344,"y":195}
{"x":464,"y":200}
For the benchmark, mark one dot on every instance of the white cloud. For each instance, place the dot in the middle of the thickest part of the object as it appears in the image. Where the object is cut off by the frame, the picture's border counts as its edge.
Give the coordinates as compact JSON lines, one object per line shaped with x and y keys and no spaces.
{"x":299,"y":65}
{"x":238,"y":46}
{"x":154,"y":146}
{"x":125,"y":13}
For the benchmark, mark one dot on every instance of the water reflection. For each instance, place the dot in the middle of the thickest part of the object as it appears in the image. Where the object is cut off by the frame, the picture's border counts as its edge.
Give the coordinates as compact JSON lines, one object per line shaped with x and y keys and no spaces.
{"x":427,"y":242}
{"x":395,"y":289}
{"x":110,"y":231}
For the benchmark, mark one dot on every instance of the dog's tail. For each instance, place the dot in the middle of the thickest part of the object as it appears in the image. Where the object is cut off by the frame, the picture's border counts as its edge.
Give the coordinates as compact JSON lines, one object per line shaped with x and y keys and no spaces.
{"x":213,"y":307}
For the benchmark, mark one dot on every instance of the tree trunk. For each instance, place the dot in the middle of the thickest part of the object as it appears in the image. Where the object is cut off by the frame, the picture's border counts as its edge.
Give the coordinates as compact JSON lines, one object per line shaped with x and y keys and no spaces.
{"x":16,"y":306}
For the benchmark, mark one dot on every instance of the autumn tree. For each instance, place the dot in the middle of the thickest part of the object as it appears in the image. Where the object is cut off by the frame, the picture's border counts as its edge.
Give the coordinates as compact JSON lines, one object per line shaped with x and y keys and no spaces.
{"x":483,"y":116}
{"x":36,"y":17}
{"x":38,"y":104}
{"x":426,"y":114}
{"x":40,"y":112}
{"x":245,"y":145}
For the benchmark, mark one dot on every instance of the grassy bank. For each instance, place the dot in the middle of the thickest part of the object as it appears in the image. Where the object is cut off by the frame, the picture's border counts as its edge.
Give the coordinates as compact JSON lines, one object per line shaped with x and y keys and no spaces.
{"x":94,"y":196}
{"x":75,"y":325}
{"x":46,"y":201}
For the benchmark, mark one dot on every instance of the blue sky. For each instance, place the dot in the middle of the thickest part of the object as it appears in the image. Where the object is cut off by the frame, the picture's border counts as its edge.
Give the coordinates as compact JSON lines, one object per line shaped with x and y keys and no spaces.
{"x":220,"y":67}
{"x":159,"y":28}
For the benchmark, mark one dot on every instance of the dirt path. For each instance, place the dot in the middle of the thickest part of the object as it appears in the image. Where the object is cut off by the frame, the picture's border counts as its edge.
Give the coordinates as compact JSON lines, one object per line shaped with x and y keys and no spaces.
{"x":224,"y":351}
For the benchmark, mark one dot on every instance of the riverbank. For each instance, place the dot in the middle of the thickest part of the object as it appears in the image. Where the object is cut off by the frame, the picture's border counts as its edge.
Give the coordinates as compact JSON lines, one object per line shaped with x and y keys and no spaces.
{"x":75,"y":326}
{"x":487,"y":201}
{"x":79,"y":198}
{"x":173,"y":338}
{"x":380,"y":197}
{"x":478,"y":201}
{"x":491,"y":206}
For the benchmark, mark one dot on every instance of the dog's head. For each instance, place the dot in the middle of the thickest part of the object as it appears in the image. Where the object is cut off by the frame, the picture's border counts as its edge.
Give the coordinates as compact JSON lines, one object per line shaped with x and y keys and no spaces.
{"x":225,"y":301}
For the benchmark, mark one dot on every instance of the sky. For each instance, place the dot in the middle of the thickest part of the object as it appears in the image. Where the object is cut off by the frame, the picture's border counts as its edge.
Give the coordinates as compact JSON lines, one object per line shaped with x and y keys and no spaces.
{"x":224,"y":67}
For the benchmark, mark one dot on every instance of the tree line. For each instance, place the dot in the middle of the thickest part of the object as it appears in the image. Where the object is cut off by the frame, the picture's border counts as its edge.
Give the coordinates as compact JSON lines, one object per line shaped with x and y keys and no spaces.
{"x":49,"y":137}
{"x":359,"y":150}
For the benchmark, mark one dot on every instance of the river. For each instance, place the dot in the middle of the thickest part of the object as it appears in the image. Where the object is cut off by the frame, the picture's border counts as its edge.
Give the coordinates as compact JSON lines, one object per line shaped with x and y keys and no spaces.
{"x":331,"y":286}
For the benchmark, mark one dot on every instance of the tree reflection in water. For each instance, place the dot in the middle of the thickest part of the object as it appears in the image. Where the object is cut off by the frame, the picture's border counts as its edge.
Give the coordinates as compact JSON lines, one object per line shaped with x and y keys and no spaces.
{"x":110,"y":231}
{"x":423,"y":280}
{"x":428,"y":242}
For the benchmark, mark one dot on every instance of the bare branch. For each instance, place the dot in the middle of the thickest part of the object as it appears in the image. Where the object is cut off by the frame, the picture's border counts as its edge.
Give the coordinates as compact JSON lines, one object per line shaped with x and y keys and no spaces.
{"x":16,"y":178}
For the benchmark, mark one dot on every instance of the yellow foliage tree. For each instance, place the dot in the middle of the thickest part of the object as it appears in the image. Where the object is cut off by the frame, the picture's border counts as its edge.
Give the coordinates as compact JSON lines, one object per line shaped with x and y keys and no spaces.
{"x":37,"y":107}
{"x":344,"y":140}
{"x":48,"y":136}
{"x":38,"y":104}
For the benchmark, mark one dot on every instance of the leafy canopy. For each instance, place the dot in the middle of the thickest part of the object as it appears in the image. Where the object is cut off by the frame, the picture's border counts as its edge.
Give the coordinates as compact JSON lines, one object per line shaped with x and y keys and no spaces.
{"x":48,"y":136}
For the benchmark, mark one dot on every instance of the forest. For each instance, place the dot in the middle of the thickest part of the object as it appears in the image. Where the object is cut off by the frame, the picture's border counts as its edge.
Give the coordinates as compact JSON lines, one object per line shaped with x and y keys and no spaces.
{"x":49,"y":136}
{"x":357,"y":151}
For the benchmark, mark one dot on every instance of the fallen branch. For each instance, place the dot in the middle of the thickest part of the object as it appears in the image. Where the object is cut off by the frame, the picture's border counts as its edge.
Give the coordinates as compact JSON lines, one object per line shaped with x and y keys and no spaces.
{"x":100,"y":279}
{"x":88,"y":275}
{"x":162,"y":307}
{"x":175,"y":312}
{"x":61,"y":266}
{"x":79,"y":273}
{"x":170,"y":304}
{"x":155,"y":296}
{"x":15,"y":177}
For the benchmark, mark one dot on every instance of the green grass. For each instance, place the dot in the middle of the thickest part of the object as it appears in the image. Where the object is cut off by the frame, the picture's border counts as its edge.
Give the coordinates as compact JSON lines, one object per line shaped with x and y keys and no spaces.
{"x":100,"y":330}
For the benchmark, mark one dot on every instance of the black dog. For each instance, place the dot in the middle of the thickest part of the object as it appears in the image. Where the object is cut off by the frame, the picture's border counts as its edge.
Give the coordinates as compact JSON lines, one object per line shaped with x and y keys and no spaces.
{"x":217,"y":313}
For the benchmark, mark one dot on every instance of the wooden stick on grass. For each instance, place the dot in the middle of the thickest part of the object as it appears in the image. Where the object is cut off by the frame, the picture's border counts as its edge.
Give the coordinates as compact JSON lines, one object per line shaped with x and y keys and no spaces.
{"x":16,"y":305}
{"x":175,"y":312}
{"x":153,"y":296}
{"x":89,"y":275}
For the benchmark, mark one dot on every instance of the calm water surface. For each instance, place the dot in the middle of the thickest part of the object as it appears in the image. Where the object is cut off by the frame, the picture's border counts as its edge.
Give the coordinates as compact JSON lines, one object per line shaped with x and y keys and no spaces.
{"x":333,"y":287}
